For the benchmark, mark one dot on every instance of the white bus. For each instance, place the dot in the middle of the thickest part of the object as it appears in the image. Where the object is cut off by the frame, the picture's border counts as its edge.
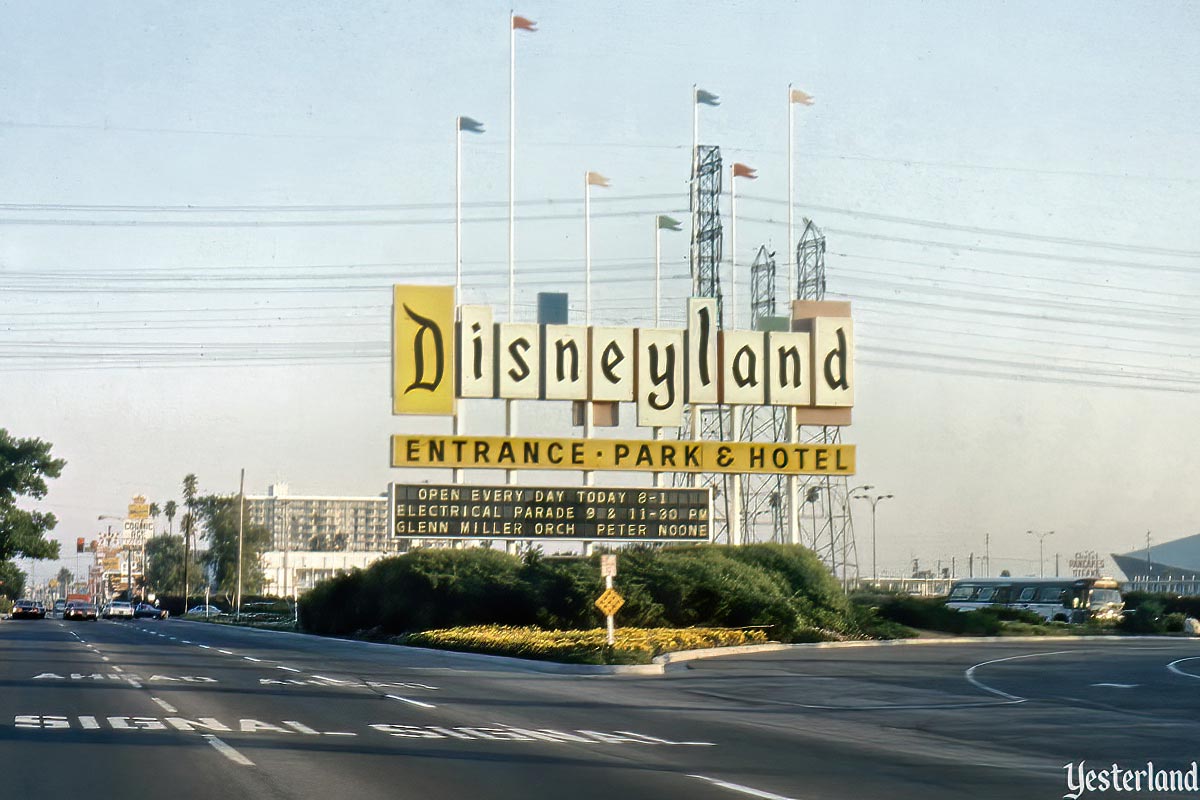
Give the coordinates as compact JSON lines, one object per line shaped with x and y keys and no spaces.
{"x":1054,"y":599}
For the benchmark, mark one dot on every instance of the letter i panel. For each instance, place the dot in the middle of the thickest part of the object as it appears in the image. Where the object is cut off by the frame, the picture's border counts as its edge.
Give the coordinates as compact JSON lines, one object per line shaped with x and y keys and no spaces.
{"x":476,"y":352}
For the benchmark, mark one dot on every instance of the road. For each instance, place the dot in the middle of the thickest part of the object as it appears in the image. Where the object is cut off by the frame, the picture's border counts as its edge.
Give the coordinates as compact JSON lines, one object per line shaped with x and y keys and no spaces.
{"x":181,"y":709}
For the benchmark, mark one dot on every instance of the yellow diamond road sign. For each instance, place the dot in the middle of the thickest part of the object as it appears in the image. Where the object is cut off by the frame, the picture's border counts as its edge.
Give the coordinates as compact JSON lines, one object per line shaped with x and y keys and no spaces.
{"x":610,"y":602}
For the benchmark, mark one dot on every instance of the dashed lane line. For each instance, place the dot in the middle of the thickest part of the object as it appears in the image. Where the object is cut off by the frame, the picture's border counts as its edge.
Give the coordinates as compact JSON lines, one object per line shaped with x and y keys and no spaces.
{"x":410,"y":701}
{"x":287,"y":669}
{"x":165,"y":706}
{"x":737,"y":787}
{"x":227,"y":751}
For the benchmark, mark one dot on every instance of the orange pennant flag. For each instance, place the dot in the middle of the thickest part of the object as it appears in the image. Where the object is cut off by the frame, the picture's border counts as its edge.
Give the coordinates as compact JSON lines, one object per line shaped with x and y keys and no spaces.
{"x":742,"y":171}
{"x":802,"y":97}
{"x":523,"y":24}
{"x":596,"y":179}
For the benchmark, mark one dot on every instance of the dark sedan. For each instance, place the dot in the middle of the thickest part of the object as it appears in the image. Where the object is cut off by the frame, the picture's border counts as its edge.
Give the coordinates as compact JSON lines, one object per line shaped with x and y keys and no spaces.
{"x":147,"y":611}
{"x":28,"y":609}
{"x":78,"y":610}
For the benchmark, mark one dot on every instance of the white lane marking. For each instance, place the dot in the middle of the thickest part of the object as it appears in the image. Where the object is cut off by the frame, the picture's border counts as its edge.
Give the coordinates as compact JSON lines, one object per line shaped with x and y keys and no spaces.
{"x":227,"y":751}
{"x":185,"y":641}
{"x":331,"y":680}
{"x":1178,"y":671}
{"x":408,"y":700}
{"x":226,"y":652}
{"x":736,"y":787}
{"x":1012,"y":698}
{"x":173,"y":639}
{"x":1118,"y":685}
{"x":338,"y":733}
{"x":252,"y":658}
{"x":288,"y":669}
{"x":167,"y":707}
{"x":206,"y":647}
{"x":115,"y":668}
{"x":104,"y":658}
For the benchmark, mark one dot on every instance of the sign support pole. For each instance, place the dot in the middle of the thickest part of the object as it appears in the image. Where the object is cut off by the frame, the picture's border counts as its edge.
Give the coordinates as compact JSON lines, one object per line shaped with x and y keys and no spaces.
{"x":612,"y":635}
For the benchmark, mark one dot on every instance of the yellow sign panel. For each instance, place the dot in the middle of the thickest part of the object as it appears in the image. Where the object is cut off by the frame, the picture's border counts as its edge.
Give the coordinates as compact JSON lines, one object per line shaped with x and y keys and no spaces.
{"x":610,"y":602}
{"x":139,"y":511}
{"x":423,"y":350}
{"x":500,"y":452}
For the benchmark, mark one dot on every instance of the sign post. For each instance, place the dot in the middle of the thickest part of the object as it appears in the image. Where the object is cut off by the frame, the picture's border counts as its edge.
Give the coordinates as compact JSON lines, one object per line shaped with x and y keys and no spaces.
{"x":610,"y":602}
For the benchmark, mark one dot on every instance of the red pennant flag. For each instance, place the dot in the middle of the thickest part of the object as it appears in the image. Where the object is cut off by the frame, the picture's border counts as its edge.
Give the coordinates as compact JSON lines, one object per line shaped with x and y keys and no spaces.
{"x":523,"y":24}
{"x":742,"y":171}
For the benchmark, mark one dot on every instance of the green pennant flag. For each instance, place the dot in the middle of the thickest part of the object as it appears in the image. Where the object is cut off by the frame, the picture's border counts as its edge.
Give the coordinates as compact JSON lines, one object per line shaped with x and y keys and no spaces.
{"x":470,"y":125}
{"x":666,"y":223}
{"x":707,"y":98}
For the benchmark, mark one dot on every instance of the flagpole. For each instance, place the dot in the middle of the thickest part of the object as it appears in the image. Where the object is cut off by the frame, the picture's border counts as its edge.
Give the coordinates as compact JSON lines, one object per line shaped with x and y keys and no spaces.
{"x":512,"y":161}
{"x":510,"y":406}
{"x":657,"y":305}
{"x":693,"y":185}
{"x":589,"y":411}
{"x":732,"y":249}
{"x":791,"y":198}
{"x":587,"y":250}
{"x":456,"y":475}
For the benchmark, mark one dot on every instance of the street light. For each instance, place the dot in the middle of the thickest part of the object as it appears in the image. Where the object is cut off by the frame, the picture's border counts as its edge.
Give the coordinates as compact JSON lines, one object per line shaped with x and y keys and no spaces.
{"x":1041,"y":549}
{"x":874,"y":502}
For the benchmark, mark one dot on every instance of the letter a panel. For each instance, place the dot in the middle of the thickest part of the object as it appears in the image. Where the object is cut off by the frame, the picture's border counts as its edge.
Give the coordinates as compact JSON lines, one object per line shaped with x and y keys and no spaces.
{"x":423,"y":367}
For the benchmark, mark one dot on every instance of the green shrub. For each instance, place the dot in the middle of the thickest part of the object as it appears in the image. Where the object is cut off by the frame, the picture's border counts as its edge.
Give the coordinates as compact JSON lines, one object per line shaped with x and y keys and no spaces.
{"x":1146,"y":618}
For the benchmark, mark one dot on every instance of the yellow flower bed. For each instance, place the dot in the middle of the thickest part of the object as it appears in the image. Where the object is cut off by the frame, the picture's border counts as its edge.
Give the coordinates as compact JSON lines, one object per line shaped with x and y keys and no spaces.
{"x":633,"y":645}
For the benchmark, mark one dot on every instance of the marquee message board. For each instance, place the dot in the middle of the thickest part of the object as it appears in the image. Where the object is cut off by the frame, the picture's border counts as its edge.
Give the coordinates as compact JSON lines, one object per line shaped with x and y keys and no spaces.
{"x":535,"y":513}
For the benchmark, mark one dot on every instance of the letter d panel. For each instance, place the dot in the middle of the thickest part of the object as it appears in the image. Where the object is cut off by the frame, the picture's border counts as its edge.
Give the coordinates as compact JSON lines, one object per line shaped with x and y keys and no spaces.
{"x":660,"y":377}
{"x":833,"y":361}
{"x":518,"y":360}
{"x":422,"y":349}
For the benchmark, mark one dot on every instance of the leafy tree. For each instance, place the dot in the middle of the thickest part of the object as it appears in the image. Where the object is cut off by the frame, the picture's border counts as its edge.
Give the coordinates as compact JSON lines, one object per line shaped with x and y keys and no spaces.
{"x":169,"y":512}
{"x":65,"y":579}
{"x":190,"y":485}
{"x":220,"y":517}
{"x":25,"y":464}
{"x":12,"y":580}
{"x":164,"y":564}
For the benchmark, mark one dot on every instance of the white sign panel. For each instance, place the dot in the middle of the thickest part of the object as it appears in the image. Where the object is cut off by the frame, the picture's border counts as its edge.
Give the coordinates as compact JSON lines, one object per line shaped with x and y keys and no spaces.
{"x":564,"y":349}
{"x":833,"y":362}
{"x":476,"y":352}
{"x":743,"y":360}
{"x":518,"y":360}
{"x":702,"y":350}
{"x":660,"y":397}
{"x":612,"y":360}
{"x":789,"y":369}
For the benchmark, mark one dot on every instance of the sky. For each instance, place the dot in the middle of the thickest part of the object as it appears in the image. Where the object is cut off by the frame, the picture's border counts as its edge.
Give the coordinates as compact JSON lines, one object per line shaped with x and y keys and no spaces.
{"x":201,"y":216}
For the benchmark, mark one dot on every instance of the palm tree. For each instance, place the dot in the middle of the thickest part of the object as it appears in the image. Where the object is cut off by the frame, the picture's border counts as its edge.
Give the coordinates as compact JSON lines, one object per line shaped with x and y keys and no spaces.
{"x":155,"y":513}
{"x":169,"y":511}
{"x":189,"y":500}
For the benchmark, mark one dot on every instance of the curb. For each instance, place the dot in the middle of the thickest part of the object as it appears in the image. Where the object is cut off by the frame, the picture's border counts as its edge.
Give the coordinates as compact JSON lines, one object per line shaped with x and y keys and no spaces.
{"x":660,"y":664}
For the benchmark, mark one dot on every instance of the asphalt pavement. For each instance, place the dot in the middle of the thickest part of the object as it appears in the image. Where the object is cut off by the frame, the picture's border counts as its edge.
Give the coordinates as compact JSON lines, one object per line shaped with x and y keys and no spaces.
{"x":177,"y":709}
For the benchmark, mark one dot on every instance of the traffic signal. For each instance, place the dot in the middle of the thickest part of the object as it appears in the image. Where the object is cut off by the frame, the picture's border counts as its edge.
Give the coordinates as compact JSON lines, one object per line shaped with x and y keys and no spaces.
{"x":79,"y":545}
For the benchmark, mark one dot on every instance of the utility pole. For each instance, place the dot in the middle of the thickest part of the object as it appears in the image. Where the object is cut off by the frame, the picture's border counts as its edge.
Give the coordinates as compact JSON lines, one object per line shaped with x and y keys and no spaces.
{"x":1056,"y":570}
{"x":237,"y":614}
{"x":1041,"y":535}
{"x":971,"y":565}
{"x":1149,"y":568}
{"x":987,"y":555}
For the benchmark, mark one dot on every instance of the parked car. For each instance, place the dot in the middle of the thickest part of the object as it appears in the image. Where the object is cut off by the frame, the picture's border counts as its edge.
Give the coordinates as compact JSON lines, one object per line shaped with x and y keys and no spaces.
{"x":205,"y":611}
{"x":28,"y":609}
{"x":147,"y":611}
{"x":78,"y":610}
{"x":118,"y":609}
{"x":59,"y":607}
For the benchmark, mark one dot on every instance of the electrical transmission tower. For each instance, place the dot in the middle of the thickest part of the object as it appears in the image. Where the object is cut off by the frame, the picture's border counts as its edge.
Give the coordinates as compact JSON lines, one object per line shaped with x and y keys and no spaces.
{"x":763,"y":509}
{"x":708,"y":422}
{"x":825,"y":519}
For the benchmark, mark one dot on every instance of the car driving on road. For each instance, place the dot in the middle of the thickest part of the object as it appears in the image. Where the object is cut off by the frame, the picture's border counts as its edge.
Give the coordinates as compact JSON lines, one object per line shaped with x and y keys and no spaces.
{"x":118,"y":609}
{"x":147,"y":611}
{"x":28,"y":609}
{"x":77,"y":610}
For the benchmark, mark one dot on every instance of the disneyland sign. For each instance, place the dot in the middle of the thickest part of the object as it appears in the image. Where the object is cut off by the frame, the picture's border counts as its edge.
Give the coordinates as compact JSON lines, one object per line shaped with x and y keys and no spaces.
{"x":439,"y":356}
